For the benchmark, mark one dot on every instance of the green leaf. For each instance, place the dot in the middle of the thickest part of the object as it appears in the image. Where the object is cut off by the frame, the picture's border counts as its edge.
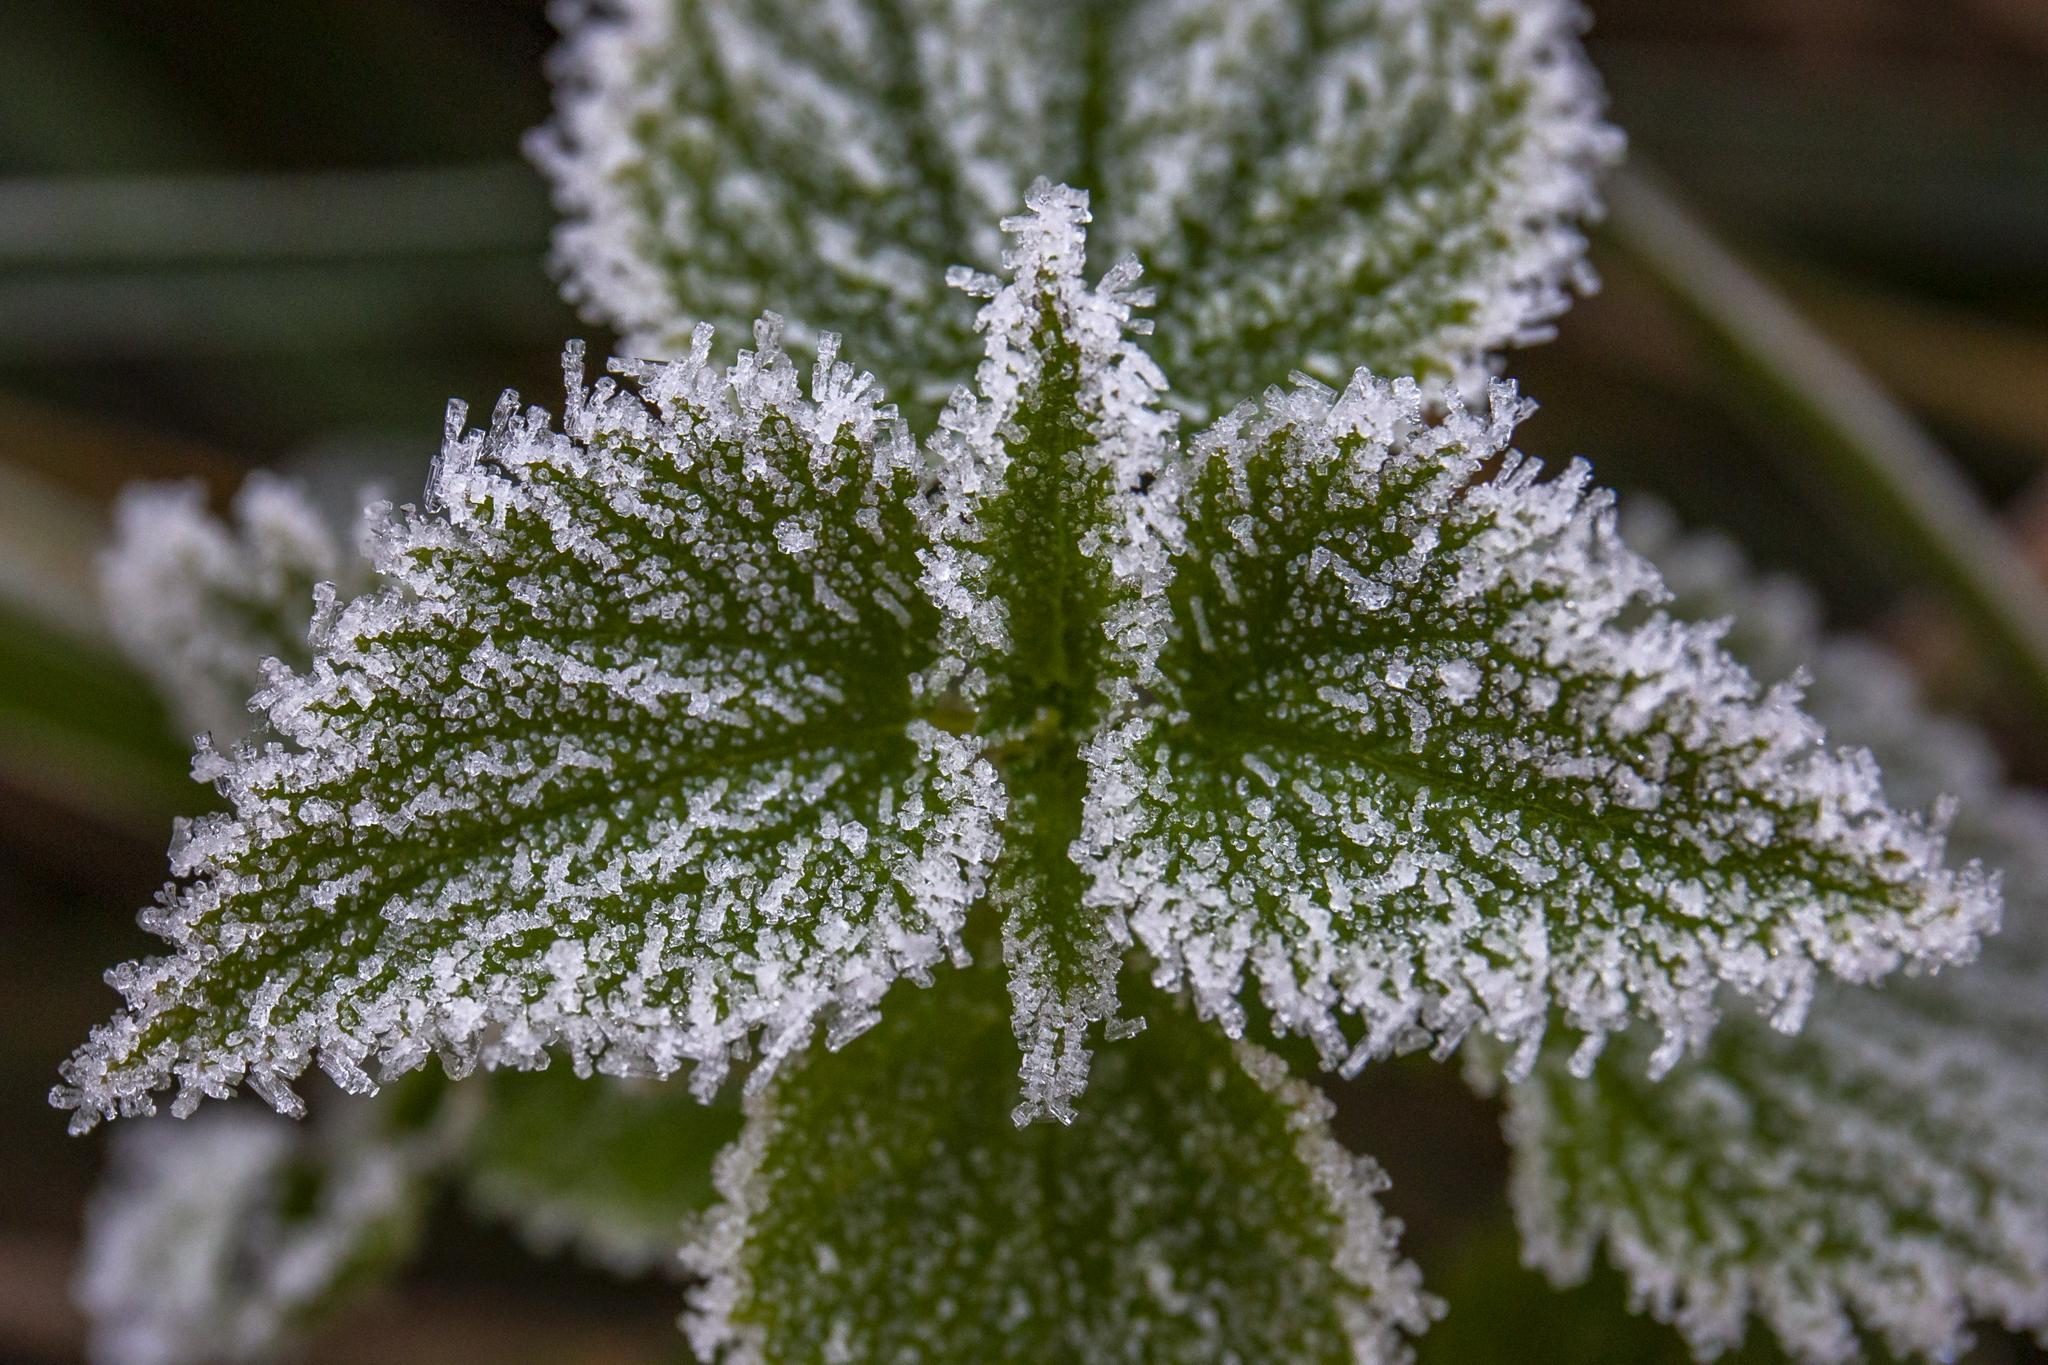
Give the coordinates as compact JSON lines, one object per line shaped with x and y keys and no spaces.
{"x":653,"y":742}
{"x":626,"y":756}
{"x":197,"y":603}
{"x":1319,"y":185}
{"x":1048,"y":561}
{"x":1421,"y":754}
{"x":609,"y":1168}
{"x":877,"y":1207}
{"x":1885,"y":1173}
{"x":227,"y":1236}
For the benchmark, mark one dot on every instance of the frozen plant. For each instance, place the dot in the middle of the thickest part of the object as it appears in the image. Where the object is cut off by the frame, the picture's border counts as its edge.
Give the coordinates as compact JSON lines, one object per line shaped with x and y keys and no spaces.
{"x":1887,"y":1168}
{"x":964,"y":783}
{"x":1313,"y":186}
{"x":675,"y":733}
{"x":193,"y":601}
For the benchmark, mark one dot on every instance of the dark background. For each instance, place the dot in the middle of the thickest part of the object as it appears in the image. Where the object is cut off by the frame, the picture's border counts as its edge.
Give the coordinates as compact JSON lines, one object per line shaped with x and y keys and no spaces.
{"x":1884,"y":161}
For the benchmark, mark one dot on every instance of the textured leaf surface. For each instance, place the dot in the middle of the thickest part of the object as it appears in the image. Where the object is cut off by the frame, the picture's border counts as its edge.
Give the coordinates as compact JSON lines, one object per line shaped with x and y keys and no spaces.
{"x":611,"y":1169}
{"x":1312,"y":184}
{"x":624,"y":756}
{"x":1421,"y":755}
{"x":1050,"y":533}
{"x":1887,"y":1169}
{"x":227,"y":1236}
{"x":878,"y":1207}
{"x":198,"y":602}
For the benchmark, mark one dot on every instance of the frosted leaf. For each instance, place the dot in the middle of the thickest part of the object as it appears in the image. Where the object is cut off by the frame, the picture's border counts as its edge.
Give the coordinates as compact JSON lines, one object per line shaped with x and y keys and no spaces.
{"x":223,"y":1237}
{"x":1885,"y":1173}
{"x":1049,"y":534}
{"x":877,"y":1207}
{"x":197,"y":602}
{"x":608,"y":1168}
{"x":1327,"y":185}
{"x":1885,"y":1170}
{"x":1420,"y":753}
{"x":624,"y":756}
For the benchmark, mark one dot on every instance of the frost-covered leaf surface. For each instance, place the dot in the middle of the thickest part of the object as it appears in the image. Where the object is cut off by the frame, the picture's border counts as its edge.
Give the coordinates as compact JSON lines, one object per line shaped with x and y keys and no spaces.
{"x":197,"y":602}
{"x":1420,"y":754}
{"x":1050,"y":528}
{"x":880,"y":1207}
{"x":226,"y":1236}
{"x":1883,"y":1176}
{"x":1311,"y":184}
{"x":609,"y":1169}
{"x":624,"y":755}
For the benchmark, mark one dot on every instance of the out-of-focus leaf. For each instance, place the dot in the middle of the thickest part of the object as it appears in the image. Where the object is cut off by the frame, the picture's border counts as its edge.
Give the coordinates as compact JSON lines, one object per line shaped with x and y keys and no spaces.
{"x":611,"y":1169}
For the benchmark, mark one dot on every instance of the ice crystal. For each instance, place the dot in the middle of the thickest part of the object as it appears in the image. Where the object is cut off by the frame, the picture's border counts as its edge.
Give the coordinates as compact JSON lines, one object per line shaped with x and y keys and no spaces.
{"x":682,"y":728}
{"x":878,"y":1207}
{"x":624,"y":756}
{"x":221,"y":1238}
{"x":1886,"y":1170}
{"x":1050,"y":535}
{"x":197,"y":603}
{"x":1411,"y":759}
{"x":1313,"y":185}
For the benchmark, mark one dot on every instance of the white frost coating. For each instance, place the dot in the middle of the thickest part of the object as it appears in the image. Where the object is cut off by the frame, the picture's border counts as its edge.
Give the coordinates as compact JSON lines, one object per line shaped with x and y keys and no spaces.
{"x":1885,"y":1172}
{"x":597,"y":768}
{"x":197,"y":603}
{"x":220,"y":1237}
{"x":1317,"y":185}
{"x":1354,"y":182}
{"x":1050,"y":532}
{"x":1497,"y":785}
{"x":1058,"y":363}
{"x":713,"y":158}
{"x":1197,"y":1209}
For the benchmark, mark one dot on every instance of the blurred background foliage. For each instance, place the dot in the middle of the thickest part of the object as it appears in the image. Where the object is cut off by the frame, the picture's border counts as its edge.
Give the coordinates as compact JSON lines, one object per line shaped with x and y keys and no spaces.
{"x":240,"y":234}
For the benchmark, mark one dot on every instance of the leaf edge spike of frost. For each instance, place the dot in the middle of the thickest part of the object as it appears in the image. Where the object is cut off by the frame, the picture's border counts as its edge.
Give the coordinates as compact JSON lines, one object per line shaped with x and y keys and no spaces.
{"x":1199,"y":1204}
{"x":1414,"y":762}
{"x":1904,"y":1131}
{"x":1050,"y":541}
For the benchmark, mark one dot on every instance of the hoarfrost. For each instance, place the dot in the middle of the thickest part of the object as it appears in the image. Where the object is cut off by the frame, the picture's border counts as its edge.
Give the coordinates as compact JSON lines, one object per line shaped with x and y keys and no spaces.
{"x":1344,"y":791}
{"x":1886,"y":1171}
{"x":683,"y":725}
{"x":1313,"y":186}
{"x":197,"y":603}
{"x":1050,"y":533}
{"x":578,"y":773}
{"x":876,"y":1207}
{"x":221,"y":1237}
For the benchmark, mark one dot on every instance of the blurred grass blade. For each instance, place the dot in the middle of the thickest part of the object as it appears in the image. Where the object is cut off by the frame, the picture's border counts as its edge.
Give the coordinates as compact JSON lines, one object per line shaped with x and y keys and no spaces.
{"x":48,"y":536}
{"x":1861,"y":436}
{"x":76,"y":725}
{"x":264,"y":311}
{"x":78,"y":728}
{"x":321,"y":215}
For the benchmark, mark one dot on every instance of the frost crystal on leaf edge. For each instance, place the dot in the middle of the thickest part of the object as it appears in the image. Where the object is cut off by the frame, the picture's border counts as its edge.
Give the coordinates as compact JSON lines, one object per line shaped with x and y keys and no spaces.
{"x":707,"y":587}
{"x":1411,"y":761}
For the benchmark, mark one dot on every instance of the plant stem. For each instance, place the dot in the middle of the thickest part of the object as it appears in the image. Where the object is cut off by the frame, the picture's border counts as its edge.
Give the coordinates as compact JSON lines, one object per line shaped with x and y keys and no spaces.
{"x":1858,"y":432}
